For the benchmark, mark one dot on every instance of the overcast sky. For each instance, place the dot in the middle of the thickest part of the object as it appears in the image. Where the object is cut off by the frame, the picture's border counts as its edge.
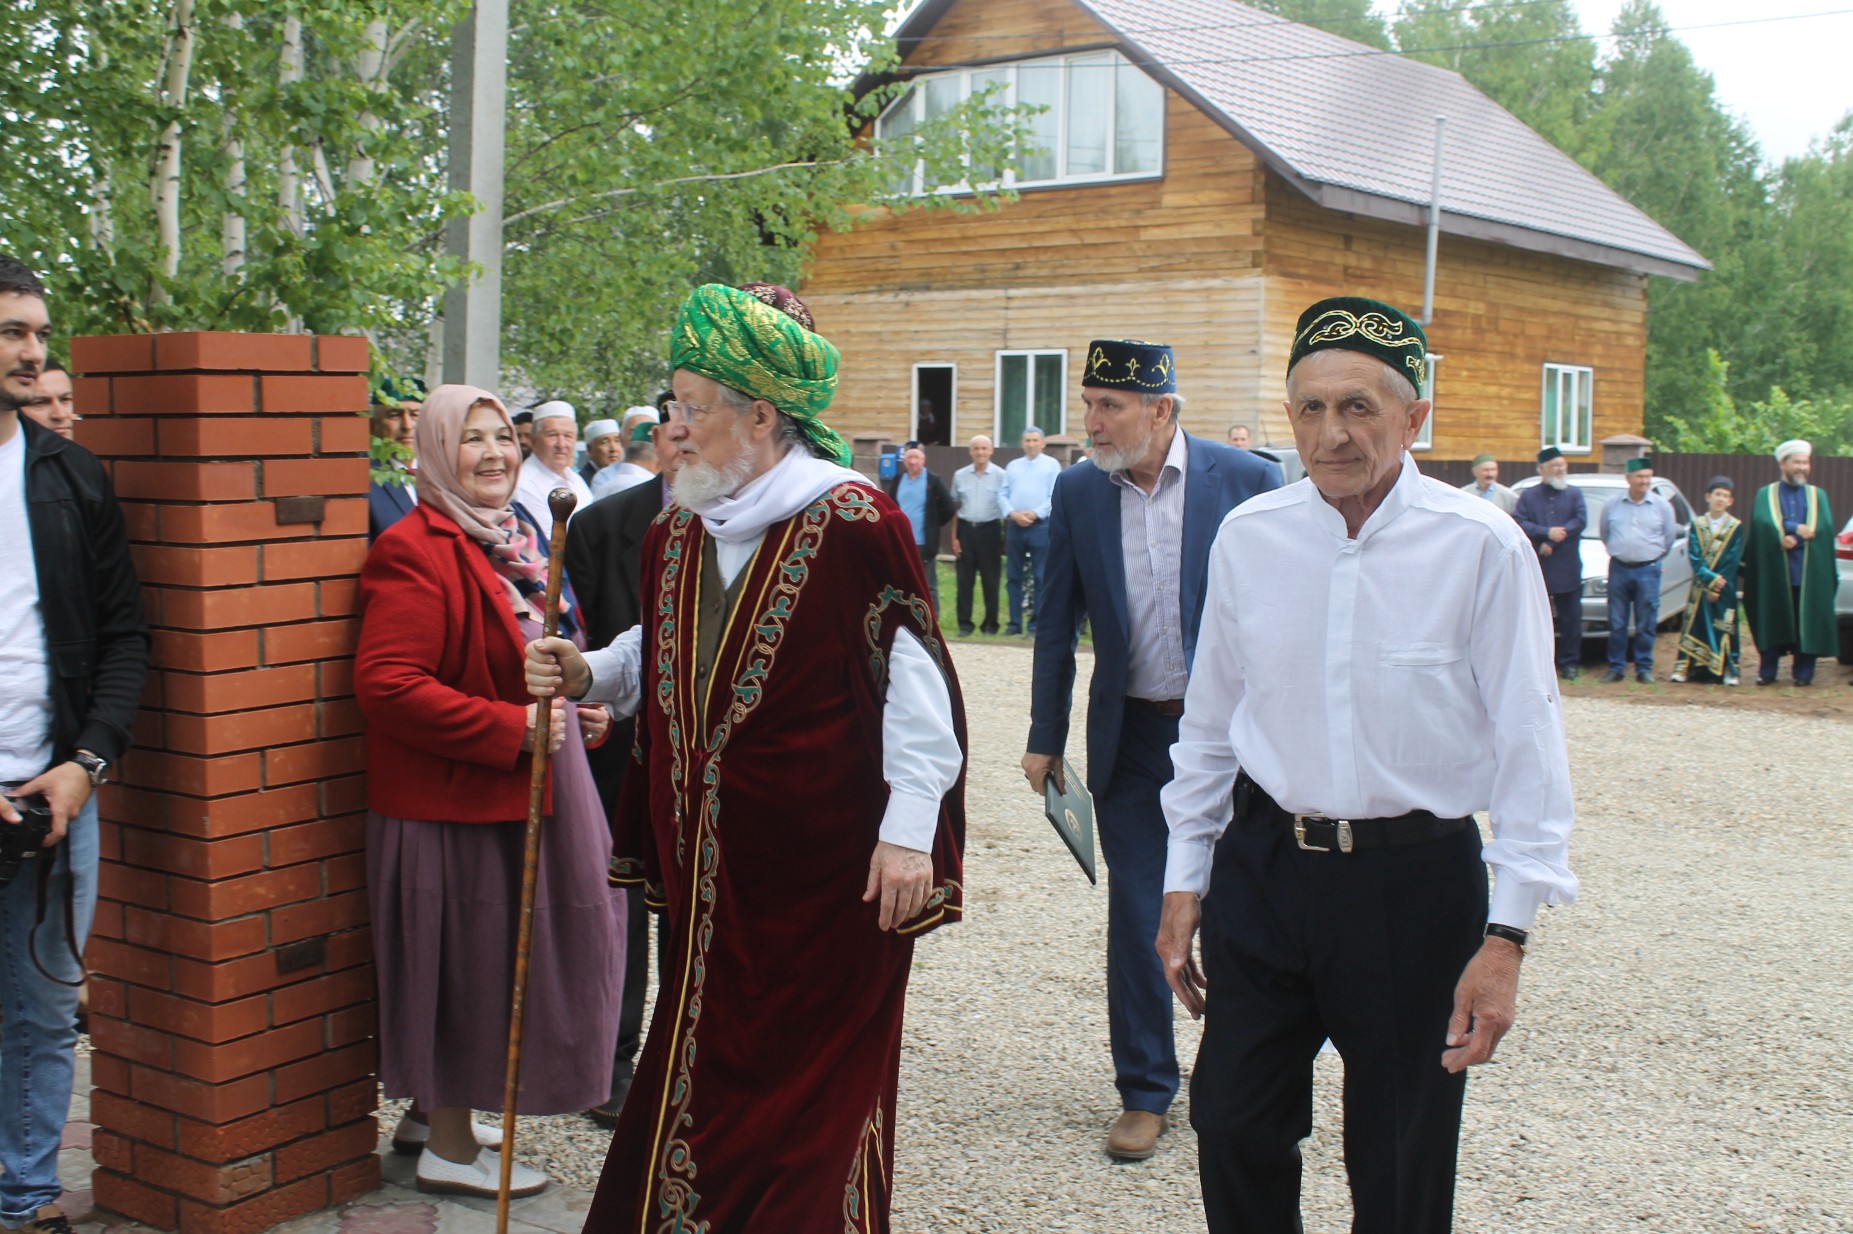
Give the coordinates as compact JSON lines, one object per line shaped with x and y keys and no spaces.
{"x":1788,"y":79}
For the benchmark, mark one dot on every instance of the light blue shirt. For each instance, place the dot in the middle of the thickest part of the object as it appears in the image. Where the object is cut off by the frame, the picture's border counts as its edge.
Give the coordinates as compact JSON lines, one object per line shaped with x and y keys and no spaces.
{"x":911,"y":495}
{"x":1152,"y":544}
{"x":1029,"y":484}
{"x":979,"y":497}
{"x":1638,"y":531}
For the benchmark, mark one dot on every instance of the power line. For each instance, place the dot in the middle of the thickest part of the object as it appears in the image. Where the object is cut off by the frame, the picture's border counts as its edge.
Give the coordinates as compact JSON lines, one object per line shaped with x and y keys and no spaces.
{"x":1651,"y":31}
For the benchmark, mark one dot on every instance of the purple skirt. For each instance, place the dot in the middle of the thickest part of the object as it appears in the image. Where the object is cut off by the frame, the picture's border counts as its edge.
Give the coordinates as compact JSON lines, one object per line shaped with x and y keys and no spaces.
{"x":445,"y":898}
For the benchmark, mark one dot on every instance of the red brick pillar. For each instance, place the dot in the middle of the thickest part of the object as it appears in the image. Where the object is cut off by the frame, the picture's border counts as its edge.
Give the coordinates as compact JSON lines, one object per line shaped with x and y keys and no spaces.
{"x":232,"y":998}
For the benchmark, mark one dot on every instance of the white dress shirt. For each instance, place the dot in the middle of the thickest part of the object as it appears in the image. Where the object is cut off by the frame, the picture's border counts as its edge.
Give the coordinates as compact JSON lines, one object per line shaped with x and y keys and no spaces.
{"x":535,"y":481}
{"x":1152,"y":541}
{"x":920,"y":755}
{"x":1408,"y":669}
{"x":25,"y":661}
{"x":618,"y":477}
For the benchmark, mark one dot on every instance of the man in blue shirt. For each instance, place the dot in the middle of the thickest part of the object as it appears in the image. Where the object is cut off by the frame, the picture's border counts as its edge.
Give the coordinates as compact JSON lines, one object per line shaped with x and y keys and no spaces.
{"x":1029,"y":487}
{"x":978,"y":535}
{"x":923,"y":498}
{"x":1638,"y":530}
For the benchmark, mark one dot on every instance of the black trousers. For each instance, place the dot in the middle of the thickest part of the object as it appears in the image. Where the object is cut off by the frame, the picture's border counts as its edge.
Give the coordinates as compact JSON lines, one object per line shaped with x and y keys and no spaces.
{"x":1567,"y":616}
{"x":1365,"y":948}
{"x":981,"y":557}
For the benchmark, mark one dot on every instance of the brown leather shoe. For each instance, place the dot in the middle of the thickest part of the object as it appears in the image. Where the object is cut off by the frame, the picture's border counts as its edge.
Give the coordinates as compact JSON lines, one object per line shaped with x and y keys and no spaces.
{"x":1134,"y":1136}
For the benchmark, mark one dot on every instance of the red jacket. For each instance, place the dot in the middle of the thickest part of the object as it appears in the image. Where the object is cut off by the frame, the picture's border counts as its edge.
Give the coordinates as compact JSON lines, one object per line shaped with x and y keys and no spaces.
{"x":439,"y":678}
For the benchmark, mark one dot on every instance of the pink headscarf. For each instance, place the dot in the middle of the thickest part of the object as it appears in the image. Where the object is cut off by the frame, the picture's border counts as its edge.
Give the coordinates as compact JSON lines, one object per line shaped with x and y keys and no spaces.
{"x":509,"y":543}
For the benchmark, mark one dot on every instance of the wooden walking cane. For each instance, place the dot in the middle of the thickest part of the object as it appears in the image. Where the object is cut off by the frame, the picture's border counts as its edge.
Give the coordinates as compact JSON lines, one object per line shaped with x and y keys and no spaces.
{"x":560,"y":502}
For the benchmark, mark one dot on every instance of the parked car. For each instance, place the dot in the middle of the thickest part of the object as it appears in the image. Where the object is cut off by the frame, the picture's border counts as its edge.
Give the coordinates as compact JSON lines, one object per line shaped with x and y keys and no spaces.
{"x":1675,"y":575}
{"x":1286,"y":457}
{"x":1843,"y":599}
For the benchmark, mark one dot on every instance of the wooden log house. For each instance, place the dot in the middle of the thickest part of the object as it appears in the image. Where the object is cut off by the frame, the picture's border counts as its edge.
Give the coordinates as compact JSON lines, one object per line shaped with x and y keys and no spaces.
{"x":1201,"y":172}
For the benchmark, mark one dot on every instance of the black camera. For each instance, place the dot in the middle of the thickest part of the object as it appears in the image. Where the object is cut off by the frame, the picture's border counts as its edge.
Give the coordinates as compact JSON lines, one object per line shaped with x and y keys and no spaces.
{"x":23,"y":841}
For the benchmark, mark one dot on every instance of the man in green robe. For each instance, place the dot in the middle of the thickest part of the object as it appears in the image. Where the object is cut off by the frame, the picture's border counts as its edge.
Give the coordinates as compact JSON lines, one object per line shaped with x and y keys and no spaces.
{"x":1708,"y":638}
{"x":1789,"y":572}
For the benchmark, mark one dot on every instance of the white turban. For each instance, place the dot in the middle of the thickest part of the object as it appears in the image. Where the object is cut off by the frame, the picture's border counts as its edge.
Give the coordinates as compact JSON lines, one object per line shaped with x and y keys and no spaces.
{"x":599,"y":428}
{"x":634,"y":414}
{"x":554,"y":408}
{"x":1793,"y":446}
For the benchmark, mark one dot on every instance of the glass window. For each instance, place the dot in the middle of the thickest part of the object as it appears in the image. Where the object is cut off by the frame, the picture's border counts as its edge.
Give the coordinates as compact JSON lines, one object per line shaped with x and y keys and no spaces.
{"x":1568,"y":407}
{"x":1090,"y":115}
{"x":1031,"y":389}
{"x":896,"y":132}
{"x":1138,"y":121}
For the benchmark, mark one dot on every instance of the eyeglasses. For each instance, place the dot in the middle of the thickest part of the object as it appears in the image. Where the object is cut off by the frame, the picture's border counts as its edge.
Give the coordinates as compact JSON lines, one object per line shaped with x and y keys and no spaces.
{"x":688,"y":413}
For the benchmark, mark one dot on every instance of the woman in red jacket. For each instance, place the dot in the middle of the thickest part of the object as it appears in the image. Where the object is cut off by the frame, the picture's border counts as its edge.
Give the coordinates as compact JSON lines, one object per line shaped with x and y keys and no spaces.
{"x":449,"y":597}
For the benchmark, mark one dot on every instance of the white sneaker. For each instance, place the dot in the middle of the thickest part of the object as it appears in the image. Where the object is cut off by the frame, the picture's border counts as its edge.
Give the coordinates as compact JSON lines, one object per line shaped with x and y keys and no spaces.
{"x":408,"y":1138}
{"x":481,"y":1177}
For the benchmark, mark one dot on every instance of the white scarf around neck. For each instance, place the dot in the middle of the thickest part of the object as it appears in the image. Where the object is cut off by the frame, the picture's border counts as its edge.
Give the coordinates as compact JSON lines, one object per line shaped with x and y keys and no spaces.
{"x":794,"y":483}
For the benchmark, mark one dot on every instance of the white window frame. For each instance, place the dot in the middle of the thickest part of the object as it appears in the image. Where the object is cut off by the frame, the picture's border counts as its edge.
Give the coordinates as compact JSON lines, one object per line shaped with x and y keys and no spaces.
{"x":1581,"y":383}
{"x":915,"y":96}
{"x":1029,"y":413}
{"x":913,"y":414}
{"x":1425,"y":439}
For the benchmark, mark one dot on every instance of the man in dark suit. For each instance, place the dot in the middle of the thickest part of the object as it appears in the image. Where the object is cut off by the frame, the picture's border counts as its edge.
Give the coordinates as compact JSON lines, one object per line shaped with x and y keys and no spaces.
{"x":1129,"y":542}
{"x":604,"y":560}
{"x":396,"y":404}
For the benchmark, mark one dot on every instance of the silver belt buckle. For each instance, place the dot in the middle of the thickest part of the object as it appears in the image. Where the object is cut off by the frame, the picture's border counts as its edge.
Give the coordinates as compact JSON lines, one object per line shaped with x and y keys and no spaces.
{"x":1345,"y":840}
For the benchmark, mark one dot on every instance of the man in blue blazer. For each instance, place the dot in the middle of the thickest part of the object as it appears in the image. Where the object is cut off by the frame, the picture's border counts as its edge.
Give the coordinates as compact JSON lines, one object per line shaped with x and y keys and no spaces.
{"x":1129,"y":544}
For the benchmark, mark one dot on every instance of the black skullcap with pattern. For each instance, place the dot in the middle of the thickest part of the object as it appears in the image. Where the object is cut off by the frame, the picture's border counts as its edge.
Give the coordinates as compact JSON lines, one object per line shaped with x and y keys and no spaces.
{"x":1354,"y":323}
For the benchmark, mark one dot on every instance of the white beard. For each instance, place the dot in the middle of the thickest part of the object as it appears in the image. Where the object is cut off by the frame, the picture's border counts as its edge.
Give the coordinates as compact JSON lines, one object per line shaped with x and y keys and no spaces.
{"x":1115,"y":459}
{"x":1558,"y":483}
{"x":697,"y":483}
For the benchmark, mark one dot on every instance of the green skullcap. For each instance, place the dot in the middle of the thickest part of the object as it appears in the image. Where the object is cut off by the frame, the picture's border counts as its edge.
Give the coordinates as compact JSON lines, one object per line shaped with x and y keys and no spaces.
{"x":733,"y":337}
{"x":1483,"y":458}
{"x":392,"y":391}
{"x":1353,"y":323}
{"x":1639,"y":464}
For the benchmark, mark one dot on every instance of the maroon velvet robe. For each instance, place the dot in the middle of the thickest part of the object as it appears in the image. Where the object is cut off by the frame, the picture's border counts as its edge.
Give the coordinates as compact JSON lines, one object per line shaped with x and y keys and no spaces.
{"x":764,"y":1098}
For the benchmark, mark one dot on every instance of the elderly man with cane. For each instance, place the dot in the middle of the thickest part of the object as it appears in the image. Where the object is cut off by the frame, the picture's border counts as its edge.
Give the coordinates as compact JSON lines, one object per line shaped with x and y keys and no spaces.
{"x":795,"y":806}
{"x":1374,"y":666}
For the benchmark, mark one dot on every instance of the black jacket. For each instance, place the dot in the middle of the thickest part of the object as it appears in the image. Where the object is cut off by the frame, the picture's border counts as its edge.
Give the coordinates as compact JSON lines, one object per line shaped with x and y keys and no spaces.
{"x":940,"y":508}
{"x":91,"y":600}
{"x":604,"y":560}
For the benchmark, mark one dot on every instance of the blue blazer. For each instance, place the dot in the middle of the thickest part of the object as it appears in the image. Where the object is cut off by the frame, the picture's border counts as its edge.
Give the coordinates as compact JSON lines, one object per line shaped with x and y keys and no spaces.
{"x":386,"y":505}
{"x":1085,"y":575}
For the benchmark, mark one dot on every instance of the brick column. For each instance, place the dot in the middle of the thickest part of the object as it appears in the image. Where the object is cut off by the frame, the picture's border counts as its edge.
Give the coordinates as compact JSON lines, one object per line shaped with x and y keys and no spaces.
{"x":232,"y":998}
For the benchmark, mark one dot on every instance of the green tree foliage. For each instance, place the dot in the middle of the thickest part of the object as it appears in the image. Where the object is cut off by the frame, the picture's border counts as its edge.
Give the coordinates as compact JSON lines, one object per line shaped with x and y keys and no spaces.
{"x":653,"y":144}
{"x":1351,"y":19}
{"x":1720,"y":426}
{"x":1525,"y":56}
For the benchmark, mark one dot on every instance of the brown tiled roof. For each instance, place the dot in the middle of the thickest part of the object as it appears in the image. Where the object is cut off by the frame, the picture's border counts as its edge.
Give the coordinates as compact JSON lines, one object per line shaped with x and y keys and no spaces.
{"x":1353,"y":128}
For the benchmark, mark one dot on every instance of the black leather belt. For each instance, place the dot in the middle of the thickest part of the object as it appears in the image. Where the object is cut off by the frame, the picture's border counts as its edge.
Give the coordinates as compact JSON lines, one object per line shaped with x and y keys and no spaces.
{"x":1317,"y":833}
{"x":1162,"y":706}
{"x":1633,"y":565}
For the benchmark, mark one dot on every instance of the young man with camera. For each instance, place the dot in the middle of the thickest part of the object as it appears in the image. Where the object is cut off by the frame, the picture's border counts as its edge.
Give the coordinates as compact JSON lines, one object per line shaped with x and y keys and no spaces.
{"x":73,"y":652}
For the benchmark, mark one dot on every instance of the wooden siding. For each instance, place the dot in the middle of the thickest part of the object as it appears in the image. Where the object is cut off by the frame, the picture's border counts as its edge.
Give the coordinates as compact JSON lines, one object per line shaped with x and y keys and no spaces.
{"x":1501,"y":314}
{"x":1214,"y":325}
{"x":995,"y":29}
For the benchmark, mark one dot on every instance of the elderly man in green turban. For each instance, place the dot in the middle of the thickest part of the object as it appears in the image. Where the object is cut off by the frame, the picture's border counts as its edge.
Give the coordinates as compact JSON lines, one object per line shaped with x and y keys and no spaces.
{"x":795,"y":803}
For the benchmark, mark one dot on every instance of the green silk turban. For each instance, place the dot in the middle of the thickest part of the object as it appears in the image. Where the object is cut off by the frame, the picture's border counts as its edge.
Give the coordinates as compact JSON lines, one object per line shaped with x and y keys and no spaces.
{"x":733,"y":337}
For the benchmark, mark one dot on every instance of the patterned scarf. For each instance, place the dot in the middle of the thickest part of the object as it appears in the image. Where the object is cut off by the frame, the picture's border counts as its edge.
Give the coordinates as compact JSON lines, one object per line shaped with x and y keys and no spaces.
{"x":512,"y":544}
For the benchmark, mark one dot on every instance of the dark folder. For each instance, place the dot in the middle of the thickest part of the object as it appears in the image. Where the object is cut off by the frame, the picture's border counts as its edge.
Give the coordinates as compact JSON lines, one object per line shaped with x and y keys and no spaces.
{"x":1072,"y":813}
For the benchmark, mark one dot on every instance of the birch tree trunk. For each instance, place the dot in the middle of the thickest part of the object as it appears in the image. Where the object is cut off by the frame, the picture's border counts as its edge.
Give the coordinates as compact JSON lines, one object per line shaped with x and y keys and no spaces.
{"x":371,"y":70}
{"x":232,"y":230}
{"x":165,"y":187}
{"x":289,"y":179}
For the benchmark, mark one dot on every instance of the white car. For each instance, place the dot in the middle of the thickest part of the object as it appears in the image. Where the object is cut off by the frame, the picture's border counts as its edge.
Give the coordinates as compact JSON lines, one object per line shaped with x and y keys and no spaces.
{"x":1843,"y":601}
{"x":1676,"y":569}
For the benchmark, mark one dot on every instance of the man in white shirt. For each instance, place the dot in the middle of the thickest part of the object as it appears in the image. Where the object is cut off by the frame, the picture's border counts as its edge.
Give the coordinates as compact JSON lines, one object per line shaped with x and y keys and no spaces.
{"x":636,"y":465}
{"x":555,"y":437}
{"x":1374,"y":666}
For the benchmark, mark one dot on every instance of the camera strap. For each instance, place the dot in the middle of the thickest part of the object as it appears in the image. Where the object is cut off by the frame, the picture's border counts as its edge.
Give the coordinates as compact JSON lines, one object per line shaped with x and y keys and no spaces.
{"x":70,"y":923}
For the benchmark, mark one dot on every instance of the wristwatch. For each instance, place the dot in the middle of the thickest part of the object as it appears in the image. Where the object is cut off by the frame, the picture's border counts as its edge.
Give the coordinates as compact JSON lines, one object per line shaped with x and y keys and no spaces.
{"x":1512,"y":934}
{"x":96,"y":768}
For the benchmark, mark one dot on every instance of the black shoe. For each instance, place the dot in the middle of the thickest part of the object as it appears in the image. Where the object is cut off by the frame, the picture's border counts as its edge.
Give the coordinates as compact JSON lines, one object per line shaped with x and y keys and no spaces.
{"x":1611,"y":677}
{"x":1766,"y":681}
{"x":966,"y":631}
{"x":1798,"y":681}
{"x":1645,"y":677}
{"x":1014,"y":631}
{"x":1569,"y":674}
{"x":988,"y":631}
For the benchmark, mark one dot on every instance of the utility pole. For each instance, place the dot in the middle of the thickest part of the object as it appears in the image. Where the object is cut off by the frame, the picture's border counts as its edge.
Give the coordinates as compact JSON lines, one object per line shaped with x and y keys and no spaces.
{"x":478,"y":124}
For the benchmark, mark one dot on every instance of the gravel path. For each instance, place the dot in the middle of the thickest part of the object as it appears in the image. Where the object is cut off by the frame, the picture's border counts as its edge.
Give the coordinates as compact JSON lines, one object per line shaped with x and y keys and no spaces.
{"x":1681,"y":1062}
